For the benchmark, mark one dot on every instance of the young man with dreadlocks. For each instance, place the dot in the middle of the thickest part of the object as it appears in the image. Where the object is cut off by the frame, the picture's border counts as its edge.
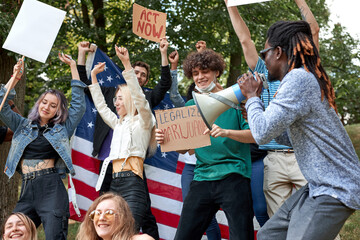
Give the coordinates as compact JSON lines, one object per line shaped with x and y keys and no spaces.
{"x":274,"y":169}
{"x":303,"y":115}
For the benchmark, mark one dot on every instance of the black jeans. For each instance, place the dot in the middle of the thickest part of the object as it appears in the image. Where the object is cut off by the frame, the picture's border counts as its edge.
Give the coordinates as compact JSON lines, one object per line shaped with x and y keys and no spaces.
{"x":132,"y":189}
{"x":205,"y":198}
{"x":44,"y":199}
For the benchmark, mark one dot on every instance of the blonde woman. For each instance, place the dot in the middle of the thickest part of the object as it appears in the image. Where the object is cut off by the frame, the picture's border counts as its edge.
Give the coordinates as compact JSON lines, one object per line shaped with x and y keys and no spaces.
{"x":109,"y":217}
{"x":133,"y":129}
{"x":19,"y":226}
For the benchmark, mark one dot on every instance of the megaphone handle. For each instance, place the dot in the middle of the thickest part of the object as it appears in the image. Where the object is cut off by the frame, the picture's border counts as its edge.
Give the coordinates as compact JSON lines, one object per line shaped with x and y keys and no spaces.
{"x":224,"y":101}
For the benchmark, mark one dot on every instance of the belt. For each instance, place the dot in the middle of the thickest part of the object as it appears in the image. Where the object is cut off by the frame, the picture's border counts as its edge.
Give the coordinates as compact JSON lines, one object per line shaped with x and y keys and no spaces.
{"x":282,"y":150}
{"x":123,"y":174}
{"x":35,"y":174}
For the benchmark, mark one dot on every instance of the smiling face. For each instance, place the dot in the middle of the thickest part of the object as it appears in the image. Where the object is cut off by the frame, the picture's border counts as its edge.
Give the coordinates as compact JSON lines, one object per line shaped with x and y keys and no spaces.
{"x":48,"y":108}
{"x":105,"y":224}
{"x":203,"y":77}
{"x":119,"y":104}
{"x":15,"y":229}
{"x":141,"y":74}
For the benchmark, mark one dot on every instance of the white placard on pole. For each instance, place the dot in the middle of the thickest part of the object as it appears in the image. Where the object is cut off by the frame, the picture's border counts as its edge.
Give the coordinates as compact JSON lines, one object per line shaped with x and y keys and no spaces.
{"x":34,"y":30}
{"x":232,"y":3}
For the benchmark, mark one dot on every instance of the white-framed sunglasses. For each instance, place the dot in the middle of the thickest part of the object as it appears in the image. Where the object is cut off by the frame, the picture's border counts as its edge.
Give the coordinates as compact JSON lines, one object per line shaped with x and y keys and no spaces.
{"x":108,"y":215}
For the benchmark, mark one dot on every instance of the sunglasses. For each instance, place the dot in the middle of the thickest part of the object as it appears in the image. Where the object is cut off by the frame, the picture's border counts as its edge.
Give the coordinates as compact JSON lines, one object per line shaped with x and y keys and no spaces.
{"x":263,"y":52}
{"x":115,"y":99}
{"x":108,"y":215}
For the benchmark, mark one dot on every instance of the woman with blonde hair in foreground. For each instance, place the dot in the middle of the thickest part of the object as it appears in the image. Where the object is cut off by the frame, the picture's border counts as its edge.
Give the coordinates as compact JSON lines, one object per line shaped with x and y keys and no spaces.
{"x":109,"y":217}
{"x":19,"y":226}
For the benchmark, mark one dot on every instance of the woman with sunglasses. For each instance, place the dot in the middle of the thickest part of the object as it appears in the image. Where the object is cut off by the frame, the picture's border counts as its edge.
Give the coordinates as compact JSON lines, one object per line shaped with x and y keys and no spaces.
{"x":109,"y":217}
{"x":133,"y":130}
{"x":18,"y":226}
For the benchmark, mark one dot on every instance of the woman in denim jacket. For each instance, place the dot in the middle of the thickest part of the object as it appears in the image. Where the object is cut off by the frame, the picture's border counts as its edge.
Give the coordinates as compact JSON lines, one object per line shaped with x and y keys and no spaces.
{"x":40,"y":151}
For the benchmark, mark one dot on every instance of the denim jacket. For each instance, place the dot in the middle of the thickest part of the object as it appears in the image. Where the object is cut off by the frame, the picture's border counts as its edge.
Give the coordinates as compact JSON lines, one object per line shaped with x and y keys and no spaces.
{"x":25,"y":131}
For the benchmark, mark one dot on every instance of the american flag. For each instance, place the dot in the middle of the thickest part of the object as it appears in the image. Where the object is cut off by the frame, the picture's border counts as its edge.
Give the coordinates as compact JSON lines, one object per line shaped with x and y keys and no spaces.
{"x":163,"y":171}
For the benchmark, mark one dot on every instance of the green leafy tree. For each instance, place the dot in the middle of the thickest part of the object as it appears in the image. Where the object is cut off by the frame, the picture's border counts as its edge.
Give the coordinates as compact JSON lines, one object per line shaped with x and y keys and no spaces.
{"x":341,"y":59}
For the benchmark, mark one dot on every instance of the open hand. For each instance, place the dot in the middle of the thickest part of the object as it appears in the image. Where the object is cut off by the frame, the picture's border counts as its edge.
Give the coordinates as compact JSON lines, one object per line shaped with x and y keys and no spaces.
{"x":67,"y":59}
{"x":98,"y":68}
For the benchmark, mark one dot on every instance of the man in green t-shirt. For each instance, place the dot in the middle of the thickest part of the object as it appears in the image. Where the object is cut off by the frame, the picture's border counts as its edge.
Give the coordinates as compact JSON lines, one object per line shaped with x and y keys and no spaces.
{"x":222,"y":173}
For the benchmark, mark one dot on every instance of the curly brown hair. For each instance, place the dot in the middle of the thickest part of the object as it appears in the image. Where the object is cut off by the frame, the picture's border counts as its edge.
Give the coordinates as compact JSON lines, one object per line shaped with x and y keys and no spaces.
{"x":207,"y":59}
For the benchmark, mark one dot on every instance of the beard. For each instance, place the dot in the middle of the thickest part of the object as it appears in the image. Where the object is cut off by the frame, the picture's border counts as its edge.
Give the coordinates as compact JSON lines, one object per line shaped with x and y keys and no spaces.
{"x":272,"y":77}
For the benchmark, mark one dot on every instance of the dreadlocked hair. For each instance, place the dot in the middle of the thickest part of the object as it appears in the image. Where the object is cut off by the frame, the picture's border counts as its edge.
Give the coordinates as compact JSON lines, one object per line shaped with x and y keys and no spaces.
{"x":296,"y":39}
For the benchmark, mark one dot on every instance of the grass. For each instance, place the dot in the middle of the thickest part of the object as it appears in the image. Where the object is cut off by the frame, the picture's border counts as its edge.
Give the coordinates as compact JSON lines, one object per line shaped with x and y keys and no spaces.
{"x":350,"y":230}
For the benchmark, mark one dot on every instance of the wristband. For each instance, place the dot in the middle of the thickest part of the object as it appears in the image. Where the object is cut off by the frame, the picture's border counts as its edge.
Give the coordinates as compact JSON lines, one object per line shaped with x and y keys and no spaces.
{"x":16,"y":77}
{"x":12,"y":106}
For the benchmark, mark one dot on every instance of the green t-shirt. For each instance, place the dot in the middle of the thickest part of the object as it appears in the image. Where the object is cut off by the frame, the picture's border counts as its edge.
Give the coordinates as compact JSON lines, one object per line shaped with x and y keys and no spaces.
{"x":224,"y":156}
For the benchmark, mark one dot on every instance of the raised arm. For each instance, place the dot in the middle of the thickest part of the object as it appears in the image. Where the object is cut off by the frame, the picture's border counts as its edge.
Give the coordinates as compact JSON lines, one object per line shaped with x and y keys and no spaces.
{"x":137,"y":95}
{"x":175,"y":96}
{"x":11,"y":119}
{"x":308,"y":16}
{"x":164,"y":44}
{"x":109,"y":117}
{"x":158,"y":93}
{"x":243,"y":33}
{"x":77,"y":105}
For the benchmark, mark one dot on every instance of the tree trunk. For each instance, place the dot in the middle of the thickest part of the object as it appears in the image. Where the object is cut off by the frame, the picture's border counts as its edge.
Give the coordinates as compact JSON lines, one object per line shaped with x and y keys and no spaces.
{"x":235,"y":61}
{"x":9,"y":188}
{"x":235,"y":68}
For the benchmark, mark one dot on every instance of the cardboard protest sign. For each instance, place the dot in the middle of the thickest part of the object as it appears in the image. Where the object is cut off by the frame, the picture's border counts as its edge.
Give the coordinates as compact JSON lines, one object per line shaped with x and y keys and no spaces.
{"x":232,"y":3}
{"x":34,"y":31}
{"x":183,"y":128}
{"x":148,"y":24}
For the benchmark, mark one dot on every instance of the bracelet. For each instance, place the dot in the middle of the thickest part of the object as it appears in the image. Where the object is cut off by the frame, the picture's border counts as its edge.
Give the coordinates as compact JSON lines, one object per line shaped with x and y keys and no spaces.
{"x":12,"y":106}
{"x":16,"y":78}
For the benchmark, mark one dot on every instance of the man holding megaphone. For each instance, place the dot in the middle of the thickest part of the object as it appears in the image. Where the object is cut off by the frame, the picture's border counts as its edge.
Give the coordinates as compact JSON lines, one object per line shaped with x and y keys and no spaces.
{"x":222,"y":172}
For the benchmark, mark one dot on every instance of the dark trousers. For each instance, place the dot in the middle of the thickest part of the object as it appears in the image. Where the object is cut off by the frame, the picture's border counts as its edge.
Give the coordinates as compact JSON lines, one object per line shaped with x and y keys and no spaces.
{"x":132,"y":189}
{"x":149,"y":225}
{"x":213,"y":230}
{"x":205,"y":198}
{"x":302,"y":217}
{"x":44,"y":199}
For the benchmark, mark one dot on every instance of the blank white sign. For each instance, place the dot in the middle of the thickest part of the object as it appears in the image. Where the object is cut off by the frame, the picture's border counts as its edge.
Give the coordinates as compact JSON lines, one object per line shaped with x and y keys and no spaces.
{"x":34,"y":30}
{"x":232,"y":3}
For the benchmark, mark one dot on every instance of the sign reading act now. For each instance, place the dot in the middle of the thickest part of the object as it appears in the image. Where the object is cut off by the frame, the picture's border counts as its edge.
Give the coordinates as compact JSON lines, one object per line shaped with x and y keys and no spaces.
{"x":148,"y":24}
{"x":183,"y":129}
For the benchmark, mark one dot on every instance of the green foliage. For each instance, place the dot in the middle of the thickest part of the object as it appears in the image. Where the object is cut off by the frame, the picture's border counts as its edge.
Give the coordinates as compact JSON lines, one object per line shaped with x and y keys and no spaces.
{"x":339,"y":53}
{"x":106,"y":23}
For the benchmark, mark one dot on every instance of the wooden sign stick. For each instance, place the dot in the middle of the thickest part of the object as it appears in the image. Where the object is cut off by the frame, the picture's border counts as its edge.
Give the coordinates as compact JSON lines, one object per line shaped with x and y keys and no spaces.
{"x":11,"y":81}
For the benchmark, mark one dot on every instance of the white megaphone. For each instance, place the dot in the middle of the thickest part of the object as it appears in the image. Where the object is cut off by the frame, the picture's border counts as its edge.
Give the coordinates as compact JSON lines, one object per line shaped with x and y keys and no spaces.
{"x":212,"y":105}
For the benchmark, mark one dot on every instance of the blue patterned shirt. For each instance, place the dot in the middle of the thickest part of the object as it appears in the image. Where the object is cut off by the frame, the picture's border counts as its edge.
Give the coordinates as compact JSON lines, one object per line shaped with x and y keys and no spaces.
{"x":266,"y":97}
